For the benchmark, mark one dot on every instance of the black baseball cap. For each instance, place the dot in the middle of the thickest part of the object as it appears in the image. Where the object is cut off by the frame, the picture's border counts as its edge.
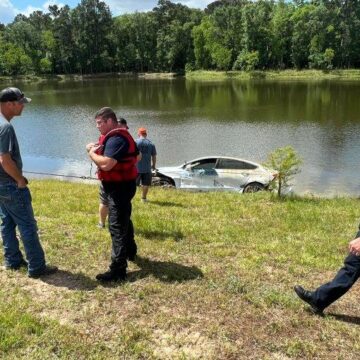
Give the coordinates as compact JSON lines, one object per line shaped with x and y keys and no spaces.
{"x":122,"y":121}
{"x":13,"y":94}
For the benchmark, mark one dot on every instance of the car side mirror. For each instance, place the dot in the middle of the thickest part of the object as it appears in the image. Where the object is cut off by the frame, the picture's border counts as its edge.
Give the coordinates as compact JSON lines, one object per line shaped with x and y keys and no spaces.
{"x":188,"y":168}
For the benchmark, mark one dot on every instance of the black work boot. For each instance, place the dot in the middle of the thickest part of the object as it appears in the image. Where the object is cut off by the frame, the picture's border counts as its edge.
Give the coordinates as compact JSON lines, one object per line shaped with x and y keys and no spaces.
{"x":112,"y":275}
{"x":306,"y":296}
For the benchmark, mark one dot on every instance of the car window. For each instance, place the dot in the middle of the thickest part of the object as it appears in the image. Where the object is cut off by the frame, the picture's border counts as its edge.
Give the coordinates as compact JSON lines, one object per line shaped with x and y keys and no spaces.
{"x":204,"y":164}
{"x":234,"y":165}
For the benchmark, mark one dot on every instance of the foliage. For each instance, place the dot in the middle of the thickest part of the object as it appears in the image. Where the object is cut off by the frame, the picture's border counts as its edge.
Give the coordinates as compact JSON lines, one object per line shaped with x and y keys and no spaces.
{"x":228,"y":34}
{"x":286,"y":163}
{"x":247,"y":61}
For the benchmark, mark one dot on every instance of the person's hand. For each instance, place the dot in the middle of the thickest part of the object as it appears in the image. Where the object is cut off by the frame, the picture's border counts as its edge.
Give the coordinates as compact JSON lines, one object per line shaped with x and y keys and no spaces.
{"x":94,"y":148}
{"x":89,"y":146}
{"x":354,"y":246}
{"x":22,"y":183}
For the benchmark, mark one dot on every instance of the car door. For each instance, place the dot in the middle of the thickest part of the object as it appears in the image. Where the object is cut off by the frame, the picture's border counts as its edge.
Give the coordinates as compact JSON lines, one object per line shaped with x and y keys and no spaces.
{"x":233,"y":173}
{"x":200,"y":174}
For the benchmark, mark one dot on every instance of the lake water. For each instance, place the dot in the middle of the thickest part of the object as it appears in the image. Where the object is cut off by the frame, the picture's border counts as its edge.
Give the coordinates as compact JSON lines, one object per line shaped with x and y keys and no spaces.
{"x":188,"y":119}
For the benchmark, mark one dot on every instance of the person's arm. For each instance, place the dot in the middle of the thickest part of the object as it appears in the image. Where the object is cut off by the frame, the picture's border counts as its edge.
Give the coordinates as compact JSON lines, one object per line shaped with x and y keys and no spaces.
{"x":9,"y":166}
{"x":354,"y":246}
{"x":153,"y":159}
{"x":153,"y":156}
{"x":138,"y":153}
{"x":102,"y":162}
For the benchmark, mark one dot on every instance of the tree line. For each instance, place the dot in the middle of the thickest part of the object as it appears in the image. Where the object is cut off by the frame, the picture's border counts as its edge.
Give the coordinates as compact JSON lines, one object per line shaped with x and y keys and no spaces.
{"x":227,"y":35}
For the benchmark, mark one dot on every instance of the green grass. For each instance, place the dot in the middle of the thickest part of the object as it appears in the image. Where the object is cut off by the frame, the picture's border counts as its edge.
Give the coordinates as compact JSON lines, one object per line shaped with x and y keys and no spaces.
{"x":213,"y":279}
{"x":350,"y":74}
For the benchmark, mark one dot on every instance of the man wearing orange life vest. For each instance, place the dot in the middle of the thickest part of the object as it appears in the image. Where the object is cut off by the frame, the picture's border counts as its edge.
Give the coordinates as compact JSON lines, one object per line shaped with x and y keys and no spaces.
{"x":116,"y":156}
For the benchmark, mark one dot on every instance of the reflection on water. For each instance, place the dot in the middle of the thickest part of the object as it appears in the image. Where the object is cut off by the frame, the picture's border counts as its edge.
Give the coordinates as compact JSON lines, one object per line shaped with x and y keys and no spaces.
{"x":189,"y":119}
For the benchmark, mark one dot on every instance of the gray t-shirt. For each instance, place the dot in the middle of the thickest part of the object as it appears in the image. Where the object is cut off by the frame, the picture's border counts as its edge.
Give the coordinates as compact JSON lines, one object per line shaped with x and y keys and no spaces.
{"x":8,"y":145}
{"x":147,"y":149}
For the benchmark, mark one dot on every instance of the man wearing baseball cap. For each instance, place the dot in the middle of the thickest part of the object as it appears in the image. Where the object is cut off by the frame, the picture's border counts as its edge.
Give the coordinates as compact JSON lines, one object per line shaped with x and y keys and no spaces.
{"x":15,"y":198}
{"x":146,"y":163}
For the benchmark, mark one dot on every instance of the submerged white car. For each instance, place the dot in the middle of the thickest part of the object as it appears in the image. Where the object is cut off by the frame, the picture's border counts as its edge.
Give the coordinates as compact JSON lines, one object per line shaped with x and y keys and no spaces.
{"x":215,"y":173}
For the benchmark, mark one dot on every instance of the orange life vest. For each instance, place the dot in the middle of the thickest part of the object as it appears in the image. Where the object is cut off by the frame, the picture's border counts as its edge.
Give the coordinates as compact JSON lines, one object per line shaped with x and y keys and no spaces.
{"x":125,"y":169}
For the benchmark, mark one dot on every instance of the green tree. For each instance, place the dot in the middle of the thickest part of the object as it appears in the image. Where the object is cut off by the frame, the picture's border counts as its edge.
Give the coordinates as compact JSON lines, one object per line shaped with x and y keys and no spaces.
{"x":286,"y":163}
{"x":281,"y":30}
{"x":64,"y":53}
{"x":15,"y":61}
{"x":247,"y":61}
{"x":174,"y":44}
{"x":301,"y":36}
{"x":256,"y":17}
{"x":25,"y":36}
{"x":92,"y":23}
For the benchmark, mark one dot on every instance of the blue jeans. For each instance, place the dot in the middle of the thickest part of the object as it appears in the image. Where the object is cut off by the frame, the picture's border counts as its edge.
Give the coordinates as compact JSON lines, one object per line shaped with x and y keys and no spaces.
{"x":16,"y":210}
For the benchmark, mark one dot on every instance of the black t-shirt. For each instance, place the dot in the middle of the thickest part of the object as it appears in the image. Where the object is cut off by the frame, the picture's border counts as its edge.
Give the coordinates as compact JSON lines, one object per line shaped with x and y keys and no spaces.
{"x":116,"y":147}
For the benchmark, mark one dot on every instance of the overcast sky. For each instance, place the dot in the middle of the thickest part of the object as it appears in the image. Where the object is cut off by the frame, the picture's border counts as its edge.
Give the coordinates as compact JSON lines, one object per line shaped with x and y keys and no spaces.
{"x":9,"y":8}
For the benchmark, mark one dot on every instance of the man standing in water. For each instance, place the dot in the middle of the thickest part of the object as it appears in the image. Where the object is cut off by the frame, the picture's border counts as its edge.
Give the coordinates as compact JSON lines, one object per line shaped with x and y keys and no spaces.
{"x":15,"y":198}
{"x":346,"y":277}
{"x":115,"y":157}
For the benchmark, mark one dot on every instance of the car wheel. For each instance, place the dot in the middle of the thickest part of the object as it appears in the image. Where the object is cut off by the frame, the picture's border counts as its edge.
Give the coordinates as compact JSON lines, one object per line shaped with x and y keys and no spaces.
{"x":163,"y":182}
{"x":254,"y":187}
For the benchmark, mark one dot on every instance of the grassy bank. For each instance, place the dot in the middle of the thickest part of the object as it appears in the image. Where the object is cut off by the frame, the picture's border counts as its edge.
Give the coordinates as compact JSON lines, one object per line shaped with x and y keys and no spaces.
{"x":213,"y":280}
{"x":76,"y":77}
{"x":352,"y":74}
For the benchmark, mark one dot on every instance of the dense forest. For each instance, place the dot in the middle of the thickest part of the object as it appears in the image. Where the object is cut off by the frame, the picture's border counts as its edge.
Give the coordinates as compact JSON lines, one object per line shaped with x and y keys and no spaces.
{"x":227,"y":35}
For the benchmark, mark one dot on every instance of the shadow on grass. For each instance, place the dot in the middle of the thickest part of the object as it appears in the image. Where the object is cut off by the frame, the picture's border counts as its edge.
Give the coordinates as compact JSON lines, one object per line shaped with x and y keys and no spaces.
{"x":166,"y":203}
{"x":164,"y":271}
{"x":161,"y":235}
{"x":346,"y":318}
{"x":64,"y":278}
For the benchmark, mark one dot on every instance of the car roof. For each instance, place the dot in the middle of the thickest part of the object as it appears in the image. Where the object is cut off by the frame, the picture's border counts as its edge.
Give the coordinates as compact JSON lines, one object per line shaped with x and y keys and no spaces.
{"x":222,"y":157}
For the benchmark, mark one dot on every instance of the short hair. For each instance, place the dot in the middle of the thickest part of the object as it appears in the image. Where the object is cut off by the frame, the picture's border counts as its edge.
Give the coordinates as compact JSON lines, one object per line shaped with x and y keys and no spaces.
{"x":106,"y":113}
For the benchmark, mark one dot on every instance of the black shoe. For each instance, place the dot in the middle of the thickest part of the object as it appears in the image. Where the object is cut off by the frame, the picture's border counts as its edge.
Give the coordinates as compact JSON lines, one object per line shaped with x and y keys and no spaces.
{"x":306,"y":296}
{"x":22,"y":263}
{"x":48,"y":270}
{"x":112,"y":275}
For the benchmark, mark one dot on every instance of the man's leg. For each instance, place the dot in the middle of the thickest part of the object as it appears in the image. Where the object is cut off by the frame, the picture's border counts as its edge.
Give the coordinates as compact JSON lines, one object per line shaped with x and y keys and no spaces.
{"x":22,"y":213}
{"x":103,"y":207}
{"x":146,"y":182}
{"x":131,"y":247}
{"x":145,"y":190}
{"x":123,"y":236}
{"x":345,"y":278}
{"x":12,"y":254}
{"x":103,"y":213}
{"x":120,"y":195}
{"x":326,"y":294}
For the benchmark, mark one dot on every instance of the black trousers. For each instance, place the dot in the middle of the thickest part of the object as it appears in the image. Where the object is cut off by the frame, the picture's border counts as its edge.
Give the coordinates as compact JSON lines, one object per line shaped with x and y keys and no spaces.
{"x":121,"y":227}
{"x":345,"y":278}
